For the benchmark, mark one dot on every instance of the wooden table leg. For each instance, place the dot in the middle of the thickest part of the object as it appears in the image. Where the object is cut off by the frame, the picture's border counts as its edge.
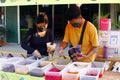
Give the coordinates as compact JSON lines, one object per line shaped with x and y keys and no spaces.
{"x":111,"y":65}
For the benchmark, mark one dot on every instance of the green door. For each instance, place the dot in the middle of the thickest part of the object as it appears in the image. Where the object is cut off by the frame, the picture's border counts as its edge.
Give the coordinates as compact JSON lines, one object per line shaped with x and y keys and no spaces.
{"x":11,"y":24}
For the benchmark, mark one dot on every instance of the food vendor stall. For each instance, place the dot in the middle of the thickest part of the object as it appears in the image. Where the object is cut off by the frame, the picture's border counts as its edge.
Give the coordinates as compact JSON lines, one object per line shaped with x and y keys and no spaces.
{"x":55,"y":68}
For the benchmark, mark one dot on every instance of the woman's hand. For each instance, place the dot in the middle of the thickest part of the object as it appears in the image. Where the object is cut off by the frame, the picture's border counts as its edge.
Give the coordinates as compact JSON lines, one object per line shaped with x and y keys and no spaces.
{"x":36,"y":53}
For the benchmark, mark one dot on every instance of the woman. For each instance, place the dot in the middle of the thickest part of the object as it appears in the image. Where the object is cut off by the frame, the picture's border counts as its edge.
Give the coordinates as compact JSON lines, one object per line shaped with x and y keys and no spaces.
{"x":36,"y":38}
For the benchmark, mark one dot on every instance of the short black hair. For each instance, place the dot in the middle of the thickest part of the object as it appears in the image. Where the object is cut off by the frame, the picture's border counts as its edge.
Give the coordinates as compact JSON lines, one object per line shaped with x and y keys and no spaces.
{"x":73,"y":13}
{"x":42,"y":18}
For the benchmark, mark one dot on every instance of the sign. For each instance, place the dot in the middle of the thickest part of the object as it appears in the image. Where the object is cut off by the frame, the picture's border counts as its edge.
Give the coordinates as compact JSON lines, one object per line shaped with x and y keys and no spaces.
{"x":51,"y":2}
{"x":103,"y":37}
{"x":114,"y":39}
{"x":17,"y":2}
{"x":110,"y":39}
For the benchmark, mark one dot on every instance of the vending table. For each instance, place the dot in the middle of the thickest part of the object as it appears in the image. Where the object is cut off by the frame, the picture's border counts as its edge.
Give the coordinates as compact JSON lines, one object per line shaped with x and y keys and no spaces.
{"x":108,"y":75}
{"x":14,"y":76}
{"x":112,"y":59}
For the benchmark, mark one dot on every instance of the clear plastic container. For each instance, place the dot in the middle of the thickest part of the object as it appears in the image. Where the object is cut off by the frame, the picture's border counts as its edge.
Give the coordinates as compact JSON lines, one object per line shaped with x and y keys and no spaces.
{"x":66,"y":75}
{"x":49,"y":59}
{"x":15,"y":60}
{"x":54,"y":73}
{"x":9,"y":64}
{"x":2,"y":62}
{"x":39,"y":68}
{"x":77,"y":66}
{"x":62,"y":61}
{"x":23,"y":66}
{"x":100,"y":65}
{"x":91,"y":74}
{"x":73,"y":70}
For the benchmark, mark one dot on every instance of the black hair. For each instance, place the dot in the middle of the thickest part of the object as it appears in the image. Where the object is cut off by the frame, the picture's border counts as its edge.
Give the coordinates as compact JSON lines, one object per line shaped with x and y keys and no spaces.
{"x":73,"y":13}
{"x":42,"y":18}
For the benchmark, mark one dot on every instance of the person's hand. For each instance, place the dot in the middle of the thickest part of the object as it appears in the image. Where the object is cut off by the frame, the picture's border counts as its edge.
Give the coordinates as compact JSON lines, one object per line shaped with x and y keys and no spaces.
{"x":81,"y":57}
{"x":36,"y":53}
{"x":60,"y":51}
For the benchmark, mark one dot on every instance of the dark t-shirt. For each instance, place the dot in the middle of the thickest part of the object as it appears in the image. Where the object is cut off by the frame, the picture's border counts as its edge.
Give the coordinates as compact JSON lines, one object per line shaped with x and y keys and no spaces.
{"x":33,"y":41}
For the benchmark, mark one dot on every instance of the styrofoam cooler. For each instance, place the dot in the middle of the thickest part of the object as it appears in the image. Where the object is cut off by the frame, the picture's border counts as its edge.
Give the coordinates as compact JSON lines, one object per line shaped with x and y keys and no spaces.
{"x":54,"y":75}
{"x":99,"y":65}
{"x":91,"y":74}
{"x":23,"y":66}
{"x":39,"y":68}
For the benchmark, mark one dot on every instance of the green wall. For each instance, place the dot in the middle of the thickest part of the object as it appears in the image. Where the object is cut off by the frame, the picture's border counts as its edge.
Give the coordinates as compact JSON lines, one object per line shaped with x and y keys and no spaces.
{"x":11,"y":24}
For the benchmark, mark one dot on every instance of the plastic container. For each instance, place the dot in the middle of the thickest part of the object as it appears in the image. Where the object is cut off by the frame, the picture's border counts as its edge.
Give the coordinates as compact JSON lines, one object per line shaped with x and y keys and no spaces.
{"x":2,"y":61}
{"x":62,"y":61}
{"x":72,"y":71}
{"x":23,"y":66}
{"x":91,"y":74}
{"x":47,"y":58}
{"x":8,"y":67}
{"x":9,"y":64}
{"x":32,"y":58}
{"x":69,"y":76}
{"x":54,"y":73}
{"x":105,"y":24}
{"x":26,"y":62}
{"x":99,"y":65}
{"x":15,"y":60}
{"x":39,"y":68}
{"x":110,"y":52}
{"x":35,"y":58}
{"x":77,"y":66}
